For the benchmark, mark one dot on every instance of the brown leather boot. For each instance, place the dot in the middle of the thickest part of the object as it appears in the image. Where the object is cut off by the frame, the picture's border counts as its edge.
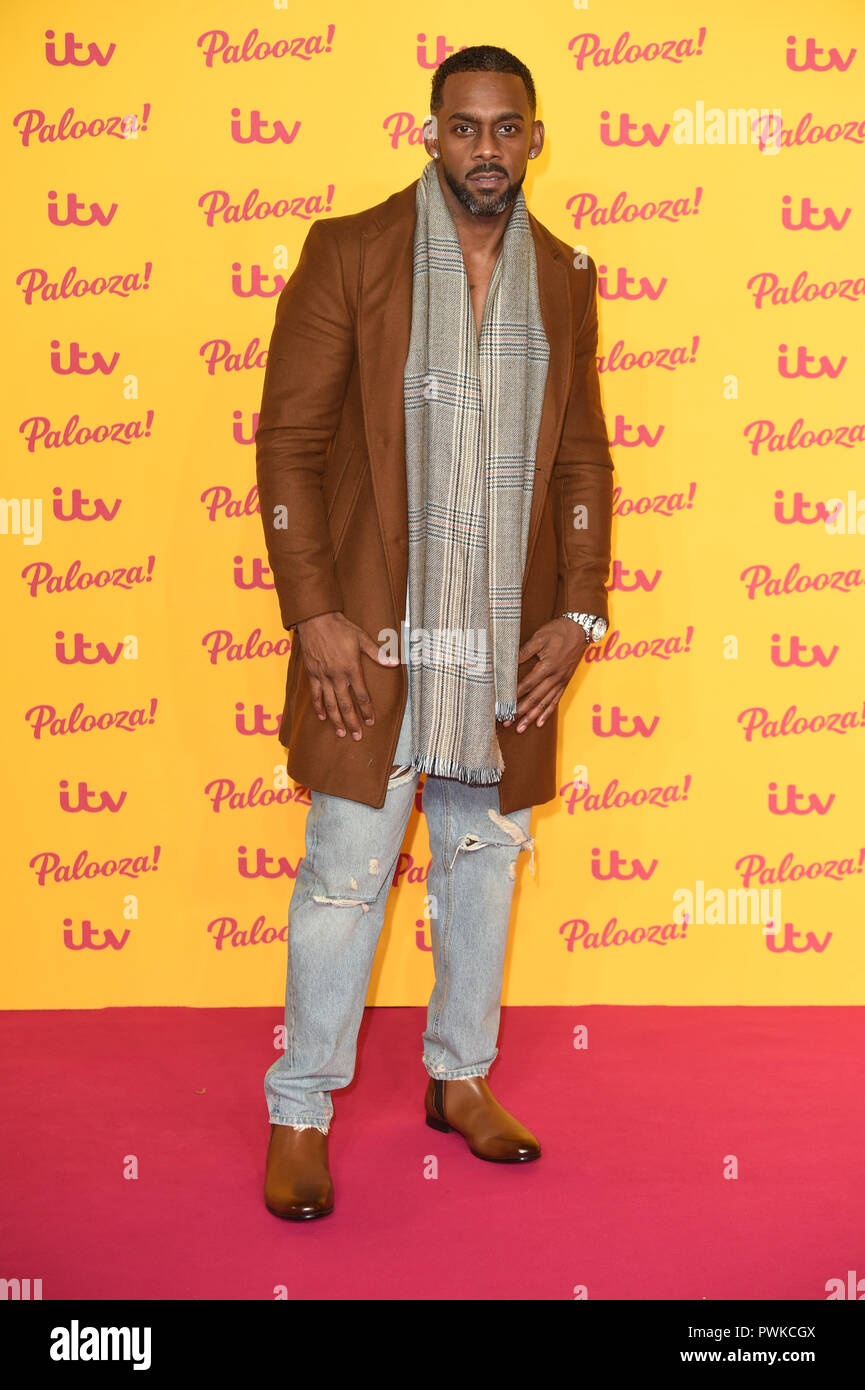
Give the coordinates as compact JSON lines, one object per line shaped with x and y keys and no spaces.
{"x":469,"y":1106}
{"x":297,"y":1185}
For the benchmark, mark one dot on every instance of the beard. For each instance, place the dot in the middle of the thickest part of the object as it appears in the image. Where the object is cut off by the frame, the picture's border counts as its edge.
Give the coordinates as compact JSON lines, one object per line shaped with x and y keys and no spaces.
{"x":483,"y":203}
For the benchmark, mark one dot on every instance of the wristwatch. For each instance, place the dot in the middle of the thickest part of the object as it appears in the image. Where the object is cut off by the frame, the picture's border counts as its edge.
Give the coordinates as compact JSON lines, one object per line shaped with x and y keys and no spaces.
{"x":594,"y":628}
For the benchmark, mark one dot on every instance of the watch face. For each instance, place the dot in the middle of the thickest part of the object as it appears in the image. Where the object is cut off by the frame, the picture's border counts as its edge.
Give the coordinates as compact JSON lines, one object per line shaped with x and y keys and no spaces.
{"x":599,"y":629}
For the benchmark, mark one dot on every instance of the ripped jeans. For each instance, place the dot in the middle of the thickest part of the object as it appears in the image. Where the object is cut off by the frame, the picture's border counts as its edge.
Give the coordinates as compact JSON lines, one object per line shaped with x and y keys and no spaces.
{"x":335,"y":918}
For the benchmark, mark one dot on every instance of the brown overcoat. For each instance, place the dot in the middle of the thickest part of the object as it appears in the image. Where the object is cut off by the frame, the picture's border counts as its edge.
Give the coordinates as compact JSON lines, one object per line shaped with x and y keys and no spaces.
{"x":330,"y":452}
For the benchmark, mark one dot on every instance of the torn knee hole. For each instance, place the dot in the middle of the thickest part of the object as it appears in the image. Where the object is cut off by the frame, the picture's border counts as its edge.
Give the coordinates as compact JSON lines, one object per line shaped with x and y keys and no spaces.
{"x":520,"y":839}
{"x":474,"y":842}
{"x":340,"y":902}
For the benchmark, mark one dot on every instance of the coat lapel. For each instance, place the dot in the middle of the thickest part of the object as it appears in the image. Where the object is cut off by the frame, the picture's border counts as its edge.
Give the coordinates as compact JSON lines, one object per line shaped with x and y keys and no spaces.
{"x":554,"y":292}
{"x":384,"y":326}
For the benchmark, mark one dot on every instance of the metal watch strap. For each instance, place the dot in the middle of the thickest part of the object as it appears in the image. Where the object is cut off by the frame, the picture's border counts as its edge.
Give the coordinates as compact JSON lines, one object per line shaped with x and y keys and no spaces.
{"x":586,"y":621}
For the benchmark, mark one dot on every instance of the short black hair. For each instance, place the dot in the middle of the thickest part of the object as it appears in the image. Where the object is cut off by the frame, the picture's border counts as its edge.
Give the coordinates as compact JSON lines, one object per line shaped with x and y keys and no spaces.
{"x":482,"y":58}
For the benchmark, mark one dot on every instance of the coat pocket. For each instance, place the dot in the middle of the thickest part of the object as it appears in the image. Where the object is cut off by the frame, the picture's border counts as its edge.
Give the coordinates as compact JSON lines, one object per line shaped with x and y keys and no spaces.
{"x":345,"y":495}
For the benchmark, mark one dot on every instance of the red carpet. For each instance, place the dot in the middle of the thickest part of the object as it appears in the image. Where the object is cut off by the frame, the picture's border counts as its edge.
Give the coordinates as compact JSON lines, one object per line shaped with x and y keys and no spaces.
{"x":628,"y":1199}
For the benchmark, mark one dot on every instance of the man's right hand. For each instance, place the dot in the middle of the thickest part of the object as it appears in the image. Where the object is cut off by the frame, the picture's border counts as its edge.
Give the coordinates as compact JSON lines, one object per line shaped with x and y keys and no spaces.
{"x":332,"y":645}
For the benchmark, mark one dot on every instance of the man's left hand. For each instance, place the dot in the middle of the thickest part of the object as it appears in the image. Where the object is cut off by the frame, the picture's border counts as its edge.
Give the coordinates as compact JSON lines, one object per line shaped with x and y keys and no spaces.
{"x":559,"y":647}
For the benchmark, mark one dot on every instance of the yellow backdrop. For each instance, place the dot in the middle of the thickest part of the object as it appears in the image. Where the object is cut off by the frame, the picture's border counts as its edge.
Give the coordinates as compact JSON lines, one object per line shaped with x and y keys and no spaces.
{"x":163,"y":168}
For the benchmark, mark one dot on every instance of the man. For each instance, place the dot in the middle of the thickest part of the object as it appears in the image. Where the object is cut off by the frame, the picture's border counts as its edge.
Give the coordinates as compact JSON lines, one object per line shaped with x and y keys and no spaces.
{"x":431,"y":440}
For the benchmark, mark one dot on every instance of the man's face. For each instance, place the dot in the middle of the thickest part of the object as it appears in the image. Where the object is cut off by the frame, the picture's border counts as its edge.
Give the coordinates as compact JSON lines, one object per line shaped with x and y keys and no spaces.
{"x":484,"y":135}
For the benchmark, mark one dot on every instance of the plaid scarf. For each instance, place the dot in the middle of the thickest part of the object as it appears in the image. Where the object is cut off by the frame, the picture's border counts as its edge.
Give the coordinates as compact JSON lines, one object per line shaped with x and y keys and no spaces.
{"x":472,"y":412}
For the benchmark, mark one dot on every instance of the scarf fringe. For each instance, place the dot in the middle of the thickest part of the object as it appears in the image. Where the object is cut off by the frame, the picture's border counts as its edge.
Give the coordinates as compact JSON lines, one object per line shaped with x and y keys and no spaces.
{"x":506,"y":709}
{"x":443,"y":767}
